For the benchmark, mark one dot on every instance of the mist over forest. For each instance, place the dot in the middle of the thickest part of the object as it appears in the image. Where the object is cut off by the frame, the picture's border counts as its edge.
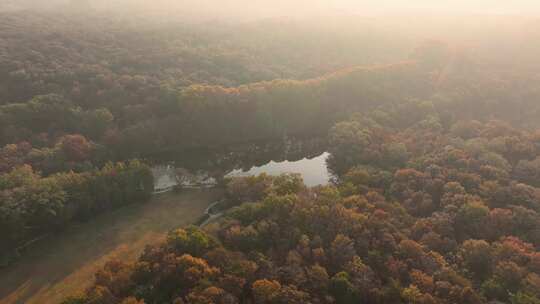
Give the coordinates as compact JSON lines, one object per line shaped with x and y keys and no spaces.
{"x":266,"y":8}
{"x":269,"y":152}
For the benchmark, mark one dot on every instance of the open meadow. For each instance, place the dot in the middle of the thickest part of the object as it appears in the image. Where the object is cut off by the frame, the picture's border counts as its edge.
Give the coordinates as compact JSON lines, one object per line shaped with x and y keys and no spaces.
{"x":65,"y":264}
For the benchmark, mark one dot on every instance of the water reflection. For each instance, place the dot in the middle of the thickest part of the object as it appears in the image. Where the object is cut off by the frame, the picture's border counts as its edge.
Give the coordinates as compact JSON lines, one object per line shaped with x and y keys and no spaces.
{"x":313,"y":171}
{"x":198,"y":167}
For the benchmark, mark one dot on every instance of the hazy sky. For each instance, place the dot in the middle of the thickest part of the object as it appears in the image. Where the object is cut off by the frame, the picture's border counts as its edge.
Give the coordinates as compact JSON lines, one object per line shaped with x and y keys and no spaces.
{"x":467,"y":6}
{"x":300,"y":7}
{"x":272,"y":8}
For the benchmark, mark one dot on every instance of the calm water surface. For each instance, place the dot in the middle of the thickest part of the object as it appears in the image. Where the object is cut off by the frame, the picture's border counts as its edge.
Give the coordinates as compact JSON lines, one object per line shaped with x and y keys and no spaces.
{"x":313,"y":170}
{"x":209,"y":167}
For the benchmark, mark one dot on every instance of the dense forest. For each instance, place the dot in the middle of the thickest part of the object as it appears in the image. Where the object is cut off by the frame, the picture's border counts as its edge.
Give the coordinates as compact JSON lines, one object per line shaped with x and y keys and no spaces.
{"x":434,"y":150}
{"x":82,"y":95}
{"x":420,"y":213}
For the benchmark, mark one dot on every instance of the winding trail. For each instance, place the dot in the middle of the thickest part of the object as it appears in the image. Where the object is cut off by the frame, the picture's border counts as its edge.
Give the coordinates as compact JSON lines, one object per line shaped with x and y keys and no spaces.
{"x":65,"y":264}
{"x":211,"y":215}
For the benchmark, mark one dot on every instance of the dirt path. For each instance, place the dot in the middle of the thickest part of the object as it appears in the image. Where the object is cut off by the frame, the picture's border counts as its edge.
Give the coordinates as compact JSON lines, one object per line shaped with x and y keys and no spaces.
{"x":65,"y":264}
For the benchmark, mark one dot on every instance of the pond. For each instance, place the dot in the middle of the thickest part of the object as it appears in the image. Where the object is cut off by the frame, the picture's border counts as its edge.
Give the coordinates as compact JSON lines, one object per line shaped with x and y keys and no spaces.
{"x":313,"y":170}
{"x":206,"y":168}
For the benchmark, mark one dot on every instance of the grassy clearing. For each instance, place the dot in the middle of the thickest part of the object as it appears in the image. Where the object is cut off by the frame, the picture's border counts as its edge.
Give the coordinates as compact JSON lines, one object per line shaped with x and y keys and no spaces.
{"x":65,"y":264}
